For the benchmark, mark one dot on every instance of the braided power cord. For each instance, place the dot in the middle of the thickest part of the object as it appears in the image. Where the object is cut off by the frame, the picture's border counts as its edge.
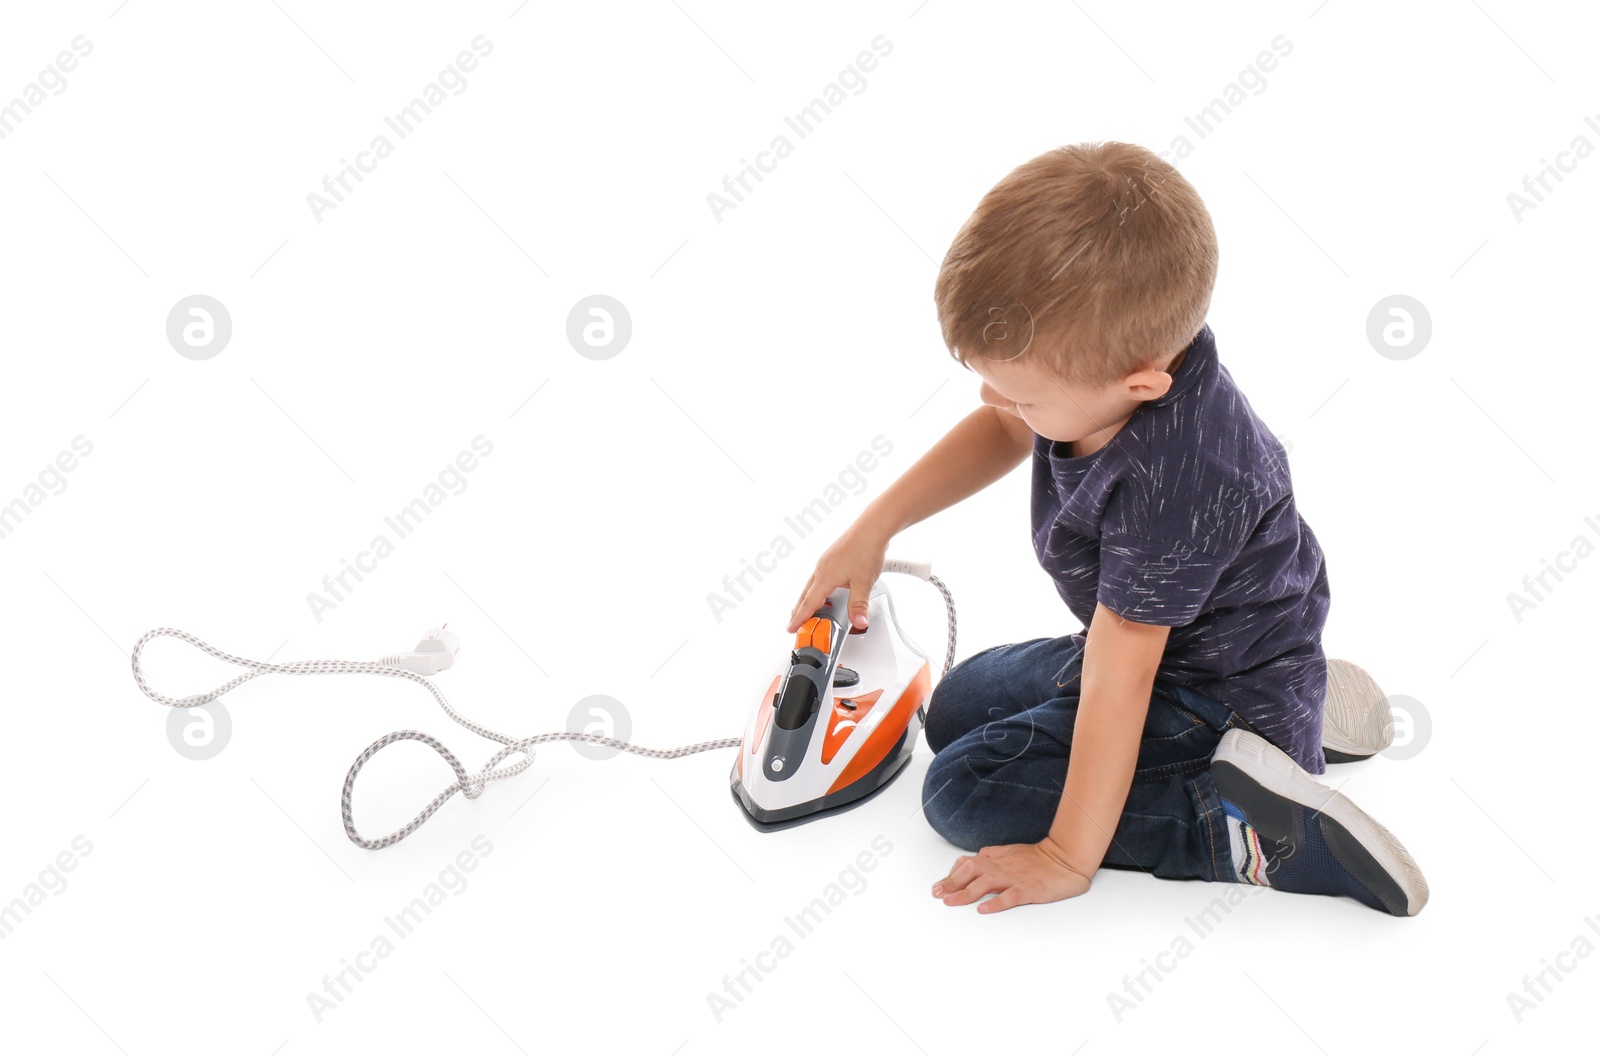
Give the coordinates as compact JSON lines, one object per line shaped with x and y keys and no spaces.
{"x":950,"y":640}
{"x":470,"y":785}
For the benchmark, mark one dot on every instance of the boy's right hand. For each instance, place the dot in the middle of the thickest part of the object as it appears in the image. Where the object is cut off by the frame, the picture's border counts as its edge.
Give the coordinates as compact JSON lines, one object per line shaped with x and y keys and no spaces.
{"x":855,"y":560}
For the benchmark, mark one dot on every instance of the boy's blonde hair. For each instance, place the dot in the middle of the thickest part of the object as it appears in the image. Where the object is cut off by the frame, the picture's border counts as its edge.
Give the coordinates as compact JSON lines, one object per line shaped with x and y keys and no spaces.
{"x":1097,"y":258}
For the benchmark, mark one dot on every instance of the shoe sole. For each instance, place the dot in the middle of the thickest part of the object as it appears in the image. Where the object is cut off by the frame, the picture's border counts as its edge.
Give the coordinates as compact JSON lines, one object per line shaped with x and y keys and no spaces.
{"x":1259,"y":778}
{"x":1356,"y":720}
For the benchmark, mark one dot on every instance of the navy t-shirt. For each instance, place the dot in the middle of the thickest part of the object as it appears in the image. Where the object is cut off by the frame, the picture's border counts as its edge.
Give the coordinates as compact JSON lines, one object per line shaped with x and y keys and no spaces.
{"x":1186,"y":518}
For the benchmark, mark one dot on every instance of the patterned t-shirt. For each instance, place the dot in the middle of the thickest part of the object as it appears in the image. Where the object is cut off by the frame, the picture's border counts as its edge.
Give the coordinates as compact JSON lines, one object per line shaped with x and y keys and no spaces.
{"x":1186,"y":518}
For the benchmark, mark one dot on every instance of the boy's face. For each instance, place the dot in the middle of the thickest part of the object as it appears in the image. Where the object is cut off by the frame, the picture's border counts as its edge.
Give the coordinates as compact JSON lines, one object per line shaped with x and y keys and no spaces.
{"x":1058,"y":411}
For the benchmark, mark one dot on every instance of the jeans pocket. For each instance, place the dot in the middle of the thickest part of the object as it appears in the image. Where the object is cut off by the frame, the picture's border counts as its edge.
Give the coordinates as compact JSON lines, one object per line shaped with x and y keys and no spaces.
{"x":1069,"y":676}
{"x":1175,"y":741}
{"x":1069,"y":679}
{"x":1204,"y":709}
{"x":1168,"y":719}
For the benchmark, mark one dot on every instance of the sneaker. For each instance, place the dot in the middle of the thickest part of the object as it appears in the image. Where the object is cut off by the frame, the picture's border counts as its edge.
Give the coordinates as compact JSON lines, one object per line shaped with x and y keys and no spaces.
{"x":1289,"y":831}
{"x":1356,"y":720}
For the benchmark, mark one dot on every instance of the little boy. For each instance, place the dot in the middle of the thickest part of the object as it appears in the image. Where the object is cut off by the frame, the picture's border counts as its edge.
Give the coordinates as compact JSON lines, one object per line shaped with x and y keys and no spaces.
{"x":1178,"y":732}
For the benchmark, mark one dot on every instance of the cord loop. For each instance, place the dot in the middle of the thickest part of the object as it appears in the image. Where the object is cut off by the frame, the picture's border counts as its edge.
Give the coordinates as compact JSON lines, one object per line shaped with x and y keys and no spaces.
{"x":470,"y":785}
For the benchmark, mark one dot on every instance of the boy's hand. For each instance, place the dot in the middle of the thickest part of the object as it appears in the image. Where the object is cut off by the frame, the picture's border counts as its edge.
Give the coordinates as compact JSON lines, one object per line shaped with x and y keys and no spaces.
{"x":855,"y":560}
{"x":1022,"y":873}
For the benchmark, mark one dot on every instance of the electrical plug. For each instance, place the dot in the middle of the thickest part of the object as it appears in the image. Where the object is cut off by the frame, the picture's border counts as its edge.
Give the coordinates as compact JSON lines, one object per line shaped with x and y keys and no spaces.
{"x":434,"y":653}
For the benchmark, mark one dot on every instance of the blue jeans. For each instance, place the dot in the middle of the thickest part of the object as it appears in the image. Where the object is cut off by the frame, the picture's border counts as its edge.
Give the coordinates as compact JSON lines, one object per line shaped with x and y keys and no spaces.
{"x":1000,"y":725}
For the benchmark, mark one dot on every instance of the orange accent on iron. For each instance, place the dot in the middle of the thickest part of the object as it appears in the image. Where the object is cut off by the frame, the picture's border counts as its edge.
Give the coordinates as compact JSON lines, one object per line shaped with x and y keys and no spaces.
{"x":888,"y":732}
{"x":816,"y":632}
{"x":840,"y":727}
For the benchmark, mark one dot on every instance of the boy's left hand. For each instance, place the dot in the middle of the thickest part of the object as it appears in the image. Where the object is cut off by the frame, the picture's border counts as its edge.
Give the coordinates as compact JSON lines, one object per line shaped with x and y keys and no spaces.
{"x":1022,"y":873}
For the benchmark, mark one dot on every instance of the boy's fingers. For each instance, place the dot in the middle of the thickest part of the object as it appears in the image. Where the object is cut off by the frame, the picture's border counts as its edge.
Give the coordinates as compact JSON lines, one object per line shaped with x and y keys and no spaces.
{"x":858,"y":608}
{"x":806,"y":609}
{"x":1015,"y":895}
{"x":795,"y":618}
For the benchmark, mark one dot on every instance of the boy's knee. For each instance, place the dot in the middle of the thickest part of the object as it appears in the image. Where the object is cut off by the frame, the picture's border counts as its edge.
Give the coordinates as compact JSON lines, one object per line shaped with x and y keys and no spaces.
{"x":946,"y":719}
{"x":938,"y":729}
{"x":943,"y":791}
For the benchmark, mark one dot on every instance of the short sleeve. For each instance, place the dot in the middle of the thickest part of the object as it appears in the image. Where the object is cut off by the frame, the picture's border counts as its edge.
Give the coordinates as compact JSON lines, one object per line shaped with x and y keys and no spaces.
{"x":1147,"y":581}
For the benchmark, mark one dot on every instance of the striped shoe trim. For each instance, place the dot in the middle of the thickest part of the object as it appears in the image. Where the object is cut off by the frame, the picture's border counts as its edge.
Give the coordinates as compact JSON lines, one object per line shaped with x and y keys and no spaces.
{"x":1244,"y":843}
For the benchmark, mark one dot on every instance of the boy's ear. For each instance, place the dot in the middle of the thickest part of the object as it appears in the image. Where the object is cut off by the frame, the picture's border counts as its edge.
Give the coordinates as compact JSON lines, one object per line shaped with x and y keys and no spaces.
{"x":1148,"y":384}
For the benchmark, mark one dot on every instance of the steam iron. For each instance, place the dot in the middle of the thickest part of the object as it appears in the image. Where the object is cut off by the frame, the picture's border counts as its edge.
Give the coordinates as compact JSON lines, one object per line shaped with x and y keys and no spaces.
{"x":833,"y":728}
{"x":831,"y":731}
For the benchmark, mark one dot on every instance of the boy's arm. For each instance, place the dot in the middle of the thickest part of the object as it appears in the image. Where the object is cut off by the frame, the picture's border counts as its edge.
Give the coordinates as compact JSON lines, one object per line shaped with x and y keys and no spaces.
{"x":983,"y":447}
{"x":1119,"y":670}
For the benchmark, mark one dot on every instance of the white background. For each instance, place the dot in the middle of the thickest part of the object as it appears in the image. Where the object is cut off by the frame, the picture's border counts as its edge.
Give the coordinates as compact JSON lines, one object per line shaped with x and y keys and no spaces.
{"x":768,"y":349}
